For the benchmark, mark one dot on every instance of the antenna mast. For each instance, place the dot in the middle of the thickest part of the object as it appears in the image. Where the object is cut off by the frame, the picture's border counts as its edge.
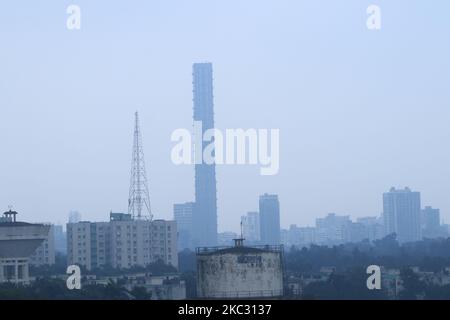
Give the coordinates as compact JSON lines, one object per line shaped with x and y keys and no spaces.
{"x":139,"y":200}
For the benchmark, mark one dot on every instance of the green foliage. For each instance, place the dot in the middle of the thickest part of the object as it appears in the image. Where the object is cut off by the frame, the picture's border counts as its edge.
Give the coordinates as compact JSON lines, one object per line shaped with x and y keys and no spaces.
{"x":350,"y":261}
{"x":413,"y":287}
{"x":157,"y":268}
{"x":139,"y":293}
{"x":59,"y":267}
{"x":430,"y":255}
{"x":56,"y":289}
{"x":347,"y":286}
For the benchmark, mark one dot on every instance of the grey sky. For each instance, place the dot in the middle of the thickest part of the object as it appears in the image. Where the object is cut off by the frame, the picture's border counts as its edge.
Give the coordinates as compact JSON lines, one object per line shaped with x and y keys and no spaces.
{"x":358,"y":111}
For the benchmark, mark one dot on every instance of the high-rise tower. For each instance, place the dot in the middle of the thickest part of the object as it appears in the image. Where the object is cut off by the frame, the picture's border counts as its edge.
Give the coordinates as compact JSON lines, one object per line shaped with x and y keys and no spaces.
{"x":401,"y":213}
{"x":205,"y":208}
{"x":138,"y":200}
{"x":269,"y":219}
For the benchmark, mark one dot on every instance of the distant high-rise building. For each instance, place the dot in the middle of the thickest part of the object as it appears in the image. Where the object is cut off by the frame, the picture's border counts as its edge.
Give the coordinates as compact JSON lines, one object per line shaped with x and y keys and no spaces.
{"x":401,"y":214}
{"x":205,"y":210}
{"x":374,"y":227}
{"x":333,"y":229}
{"x":60,"y":239}
{"x":74,"y":217}
{"x":445,"y":230}
{"x":284,"y":237}
{"x":250,"y":226}
{"x":431,"y":222}
{"x":368,"y":220}
{"x":357,"y":232}
{"x":307,"y":236}
{"x":226,"y":238}
{"x":269,"y":219}
{"x":182,"y":214}
{"x":301,"y":236}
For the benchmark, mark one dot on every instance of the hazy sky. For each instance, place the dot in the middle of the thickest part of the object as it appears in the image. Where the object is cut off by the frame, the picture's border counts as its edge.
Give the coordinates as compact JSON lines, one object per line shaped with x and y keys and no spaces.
{"x":359,"y":111}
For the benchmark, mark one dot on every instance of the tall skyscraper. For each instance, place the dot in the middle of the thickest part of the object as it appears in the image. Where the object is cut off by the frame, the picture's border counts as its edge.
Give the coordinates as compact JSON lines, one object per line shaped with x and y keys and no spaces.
{"x":182,"y":214}
{"x":401,"y":214}
{"x":269,"y":219}
{"x":205,"y":209}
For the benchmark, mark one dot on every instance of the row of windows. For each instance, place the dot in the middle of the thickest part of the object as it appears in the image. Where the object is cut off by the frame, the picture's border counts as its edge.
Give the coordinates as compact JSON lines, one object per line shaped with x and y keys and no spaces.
{"x":121,"y":244}
{"x":118,"y":234}
{"x":119,"y":227}
{"x":119,"y":250}
{"x":82,"y":260}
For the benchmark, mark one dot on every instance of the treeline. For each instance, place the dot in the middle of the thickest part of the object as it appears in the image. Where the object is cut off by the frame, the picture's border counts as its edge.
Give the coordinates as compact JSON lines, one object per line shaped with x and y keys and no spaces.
{"x":351,"y":285}
{"x":429,"y":254}
{"x":56,"y":289}
{"x":156,"y":268}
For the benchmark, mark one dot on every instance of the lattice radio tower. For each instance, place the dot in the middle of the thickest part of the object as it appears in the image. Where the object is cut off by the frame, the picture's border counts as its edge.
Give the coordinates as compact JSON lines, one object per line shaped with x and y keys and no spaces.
{"x":139,"y":200}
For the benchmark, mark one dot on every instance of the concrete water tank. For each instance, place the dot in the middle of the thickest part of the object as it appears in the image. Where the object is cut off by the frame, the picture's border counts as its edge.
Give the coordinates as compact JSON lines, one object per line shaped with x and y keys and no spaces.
{"x":240,"y":272}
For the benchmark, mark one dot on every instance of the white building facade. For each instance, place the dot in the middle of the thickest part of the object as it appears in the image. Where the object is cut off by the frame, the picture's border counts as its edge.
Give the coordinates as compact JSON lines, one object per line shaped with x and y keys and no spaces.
{"x":122,"y":242}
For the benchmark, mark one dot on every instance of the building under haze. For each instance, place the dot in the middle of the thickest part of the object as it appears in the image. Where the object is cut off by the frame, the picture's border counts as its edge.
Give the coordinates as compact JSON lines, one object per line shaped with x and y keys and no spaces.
{"x":431,"y":223}
{"x":333,"y":229}
{"x":60,"y":239}
{"x":269,"y":219}
{"x":74,"y":217}
{"x":123,"y":242}
{"x":300,"y":236}
{"x":401,"y":214}
{"x":226,"y":238}
{"x":374,"y":227}
{"x":182,"y":214}
{"x":205,"y":210}
{"x":250,"y":227}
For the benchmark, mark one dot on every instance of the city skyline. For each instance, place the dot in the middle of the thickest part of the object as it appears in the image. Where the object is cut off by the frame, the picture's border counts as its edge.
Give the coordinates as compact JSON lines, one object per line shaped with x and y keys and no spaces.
{"x":207,"y":67}
{"x":182,"y":213}
{"x":237,"y":228}
{"x":358,"y":111}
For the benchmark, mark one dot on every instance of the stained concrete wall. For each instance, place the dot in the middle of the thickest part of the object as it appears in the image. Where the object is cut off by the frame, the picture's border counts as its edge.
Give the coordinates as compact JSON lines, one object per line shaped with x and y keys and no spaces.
{"x":239,"y":275}
{"x":21,"y":240}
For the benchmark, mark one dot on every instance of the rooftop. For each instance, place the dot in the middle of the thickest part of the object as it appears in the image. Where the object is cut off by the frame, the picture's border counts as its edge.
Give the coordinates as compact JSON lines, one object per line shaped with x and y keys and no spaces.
{"x":238,"y":249}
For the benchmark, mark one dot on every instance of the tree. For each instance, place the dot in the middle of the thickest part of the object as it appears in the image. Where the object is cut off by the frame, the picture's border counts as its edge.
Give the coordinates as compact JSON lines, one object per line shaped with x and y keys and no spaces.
{"x":412,"y":285}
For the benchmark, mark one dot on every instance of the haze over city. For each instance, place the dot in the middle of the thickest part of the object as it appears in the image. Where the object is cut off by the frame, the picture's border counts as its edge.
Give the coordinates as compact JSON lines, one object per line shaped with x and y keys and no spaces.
{"x":358,"y":111}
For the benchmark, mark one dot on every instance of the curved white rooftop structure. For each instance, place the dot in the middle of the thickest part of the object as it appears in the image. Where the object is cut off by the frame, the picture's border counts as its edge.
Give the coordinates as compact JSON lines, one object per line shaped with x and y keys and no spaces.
{"x":18,"y":241}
